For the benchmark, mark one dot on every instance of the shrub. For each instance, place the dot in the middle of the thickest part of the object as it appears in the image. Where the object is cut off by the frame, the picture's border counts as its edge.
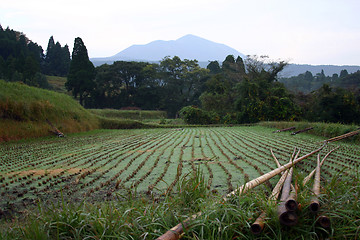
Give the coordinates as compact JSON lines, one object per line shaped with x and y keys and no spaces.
{"x":194,"y":115}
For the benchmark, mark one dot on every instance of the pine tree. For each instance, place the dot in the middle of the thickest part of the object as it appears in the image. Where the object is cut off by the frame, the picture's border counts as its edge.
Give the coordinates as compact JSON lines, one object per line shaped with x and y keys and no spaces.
{"x":82,"y":72}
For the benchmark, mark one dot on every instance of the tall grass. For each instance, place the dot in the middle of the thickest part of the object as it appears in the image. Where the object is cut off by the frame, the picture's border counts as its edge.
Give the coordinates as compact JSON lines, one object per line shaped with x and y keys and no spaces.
{"x":137,"y":216}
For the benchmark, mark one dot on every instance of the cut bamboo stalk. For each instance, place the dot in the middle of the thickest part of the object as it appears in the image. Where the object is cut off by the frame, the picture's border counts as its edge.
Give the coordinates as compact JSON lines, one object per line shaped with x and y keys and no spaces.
{"x":346,"y":135}
{"x":324,"y":221}
{"x":175,"y":232}
{"x":307,"y":178}
{"x":315,"y":205}
{"x":259,"y":180}
{"x":259,"y":224}
{"x":284,"y":130}
{"x":286,"y":217}
{"x":55,"y":130}
{"x":290,"y":203}
{"x":302,"y":130}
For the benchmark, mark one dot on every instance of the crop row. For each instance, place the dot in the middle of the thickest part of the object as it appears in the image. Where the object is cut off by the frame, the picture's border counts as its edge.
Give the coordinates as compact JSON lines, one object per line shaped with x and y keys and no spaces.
{"x":103,"y":164}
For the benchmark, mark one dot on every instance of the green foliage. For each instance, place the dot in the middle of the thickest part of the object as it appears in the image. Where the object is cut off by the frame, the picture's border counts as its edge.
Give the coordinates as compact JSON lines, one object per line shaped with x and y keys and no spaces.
{"x":135,"y":216}
{"x":307,"y":83}
{"x":332,"y":105}
{"x":82,"y":72}
{"x":192,"y":191}
{"x":183,"y":81}
{"x":194,"y":115}
{"x":57,"y":60}
{"x":20,"y":59}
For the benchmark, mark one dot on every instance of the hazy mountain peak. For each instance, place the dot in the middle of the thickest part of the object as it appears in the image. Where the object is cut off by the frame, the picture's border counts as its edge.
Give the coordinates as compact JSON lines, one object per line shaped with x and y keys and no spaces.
{"x":185,"y":47}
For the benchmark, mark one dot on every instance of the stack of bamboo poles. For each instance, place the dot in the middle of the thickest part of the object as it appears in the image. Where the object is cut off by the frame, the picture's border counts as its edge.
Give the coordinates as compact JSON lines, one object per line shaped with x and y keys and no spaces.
{"x":288,"y":205}
{"x":177,"y":231}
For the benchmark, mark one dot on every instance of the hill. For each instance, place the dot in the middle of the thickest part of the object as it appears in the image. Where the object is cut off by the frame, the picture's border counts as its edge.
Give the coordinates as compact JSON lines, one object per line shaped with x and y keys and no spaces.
{"x":329,"y":70}
{"x":24,"y":110}
{"x":186,"y":47}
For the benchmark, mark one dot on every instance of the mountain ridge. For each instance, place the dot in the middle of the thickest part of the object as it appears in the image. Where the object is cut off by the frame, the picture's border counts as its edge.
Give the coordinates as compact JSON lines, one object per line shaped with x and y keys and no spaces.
{"x":185,"y":47}
{"x":193,"y":47}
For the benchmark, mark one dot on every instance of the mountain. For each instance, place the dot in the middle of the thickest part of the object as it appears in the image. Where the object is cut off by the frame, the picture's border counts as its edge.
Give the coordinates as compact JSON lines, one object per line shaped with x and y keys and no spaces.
{"x":194,"y":47}
{"x":187,"y":47}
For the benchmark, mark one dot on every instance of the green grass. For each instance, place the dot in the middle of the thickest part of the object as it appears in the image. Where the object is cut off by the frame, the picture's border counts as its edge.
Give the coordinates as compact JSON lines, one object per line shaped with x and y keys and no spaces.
{"x":136,"y":216}
{"x":24,"y":110}
{"x":327,"y":130}
{"x":129,"y":114}
{"x":57,"y":83}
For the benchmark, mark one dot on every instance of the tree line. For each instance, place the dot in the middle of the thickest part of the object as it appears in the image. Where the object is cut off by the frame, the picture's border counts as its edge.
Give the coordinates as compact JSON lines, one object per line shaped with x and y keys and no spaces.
{"x":22,"y":60}
{"x":234,"y":91}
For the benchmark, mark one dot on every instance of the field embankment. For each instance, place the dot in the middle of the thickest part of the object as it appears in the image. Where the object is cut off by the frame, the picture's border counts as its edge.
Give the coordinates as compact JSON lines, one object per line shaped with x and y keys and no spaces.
{"x":129,"y":114}
{"x":327,"y":130}
{"x":24,"y":110}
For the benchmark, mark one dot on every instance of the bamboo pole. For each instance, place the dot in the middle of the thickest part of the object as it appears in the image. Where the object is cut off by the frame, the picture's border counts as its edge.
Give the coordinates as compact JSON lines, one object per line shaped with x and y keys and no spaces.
{"x":307,"y":178}
{"x":303,"y":130}
{"x":175,"y":232}
{"x":284,"y":130}
{"x":290,"y":203}
{"x":286,"y":217}
{"x":259,"y":180}
{"x":346,"y":135}
{"x":258,"y":225}
{"x":324,"y":221}
{"x":315,"y":205}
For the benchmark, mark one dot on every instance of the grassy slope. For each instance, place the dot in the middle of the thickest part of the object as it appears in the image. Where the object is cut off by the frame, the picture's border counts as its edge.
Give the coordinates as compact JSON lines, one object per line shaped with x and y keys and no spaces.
{"x":129,"y":114}
{"x":327,"y":130}
{"x":58,"y":83}
{"x":24,"y":110}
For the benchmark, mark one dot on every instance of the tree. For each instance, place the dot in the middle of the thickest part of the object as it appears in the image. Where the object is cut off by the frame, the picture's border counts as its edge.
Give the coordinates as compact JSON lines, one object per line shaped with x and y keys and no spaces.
{"x":20,"y":57}
{"x":343,"y":73}
{"x":82,"y":72}
{"x":182,"y":83}
{"x":57,"y":60}
{"x":260,"y":96}
{"x":214,"y":67}
{"x":233,"y":70}
{"x":333,"y":105}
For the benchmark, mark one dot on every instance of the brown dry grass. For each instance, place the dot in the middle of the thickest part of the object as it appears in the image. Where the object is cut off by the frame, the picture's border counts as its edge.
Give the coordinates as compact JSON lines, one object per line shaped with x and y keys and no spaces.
{"x":39,"y":172}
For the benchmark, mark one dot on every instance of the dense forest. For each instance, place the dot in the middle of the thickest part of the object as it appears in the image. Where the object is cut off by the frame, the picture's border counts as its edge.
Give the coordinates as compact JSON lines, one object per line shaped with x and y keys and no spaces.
{"x":22,"y":60}
{"x":234,"y":91}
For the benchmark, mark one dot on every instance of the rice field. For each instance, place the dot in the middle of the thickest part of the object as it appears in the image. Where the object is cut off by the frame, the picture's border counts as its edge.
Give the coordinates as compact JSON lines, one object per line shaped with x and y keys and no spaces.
{"x":100,"y":164}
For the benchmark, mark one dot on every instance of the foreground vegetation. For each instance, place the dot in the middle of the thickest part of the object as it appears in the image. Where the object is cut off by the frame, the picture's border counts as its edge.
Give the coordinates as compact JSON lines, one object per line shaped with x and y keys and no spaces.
{"x":143,"y":217}
{"x":153,"y":179}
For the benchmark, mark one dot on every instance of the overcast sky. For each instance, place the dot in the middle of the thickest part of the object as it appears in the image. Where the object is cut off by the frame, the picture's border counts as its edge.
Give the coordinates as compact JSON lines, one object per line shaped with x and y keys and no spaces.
{"x":306,"y":31}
